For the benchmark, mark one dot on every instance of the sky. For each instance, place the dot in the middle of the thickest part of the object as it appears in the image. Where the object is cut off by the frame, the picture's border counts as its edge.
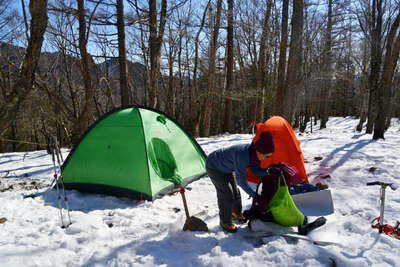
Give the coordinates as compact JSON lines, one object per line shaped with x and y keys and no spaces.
{"x":111,"y":231}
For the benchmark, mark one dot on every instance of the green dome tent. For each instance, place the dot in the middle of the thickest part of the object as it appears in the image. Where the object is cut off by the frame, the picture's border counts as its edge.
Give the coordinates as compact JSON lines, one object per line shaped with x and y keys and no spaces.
{"x":134,"y":152}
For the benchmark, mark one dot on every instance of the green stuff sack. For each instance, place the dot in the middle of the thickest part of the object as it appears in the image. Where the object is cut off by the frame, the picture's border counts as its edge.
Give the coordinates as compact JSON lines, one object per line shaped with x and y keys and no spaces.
{"x":283,"y":208}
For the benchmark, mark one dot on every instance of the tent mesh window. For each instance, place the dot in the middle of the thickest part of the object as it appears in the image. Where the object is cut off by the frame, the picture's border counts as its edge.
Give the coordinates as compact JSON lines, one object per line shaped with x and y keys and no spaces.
{"x":163,"y":161}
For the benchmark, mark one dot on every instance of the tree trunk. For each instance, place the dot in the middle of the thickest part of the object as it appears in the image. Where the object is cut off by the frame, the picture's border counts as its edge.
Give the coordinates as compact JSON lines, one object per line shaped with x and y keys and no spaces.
{"x":84,"y":117}
{"x":13,"y":135}
{"x":208,"y":104}
{"x":194,"y":92}
{"x":363,"y":91}
{"x":35,"y":135}
{"x":171,"y":95}
{"x":294,"y":71}
{"x":376,"y":62}
{"x":26,"y":75}
{"x":261,"y":64}
{"x":155,"y":42}
{"x":229,"y":70}
{"x":281,"y":83}
{"x":363,"y":113}
{"x":327,"y":69}
{"x":389,"y":66}
{"x":179,"y":105}
{"x":304,"y":121}
{"x":123,"y":72}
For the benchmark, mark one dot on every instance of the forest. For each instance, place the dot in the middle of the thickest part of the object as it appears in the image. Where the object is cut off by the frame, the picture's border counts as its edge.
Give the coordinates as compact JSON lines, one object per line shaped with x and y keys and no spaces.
{"x":215,"y":66}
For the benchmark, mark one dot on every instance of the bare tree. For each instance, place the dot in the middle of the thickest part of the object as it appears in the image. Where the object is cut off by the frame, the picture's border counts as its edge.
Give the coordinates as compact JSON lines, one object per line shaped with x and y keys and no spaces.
{"x":85,"y":115}
{"x":385,"y":88}
{"x":8,"y":17}
{"x":155,"y":42}
{"x":171,"y":50}
{"x":375,"y":25}
{"x":208,"y":104}
{"x":281,"y":83}
{"x":26,"y":74}
{"x":294,"y":71}
{"x":229,"y":69}
{"x":261,"y":64}
{"x":123,"y":79}
{"x":194,"y":90}
{"x":376,"y":21}
{"x":327,"y":70}
{"x":363,"y":84}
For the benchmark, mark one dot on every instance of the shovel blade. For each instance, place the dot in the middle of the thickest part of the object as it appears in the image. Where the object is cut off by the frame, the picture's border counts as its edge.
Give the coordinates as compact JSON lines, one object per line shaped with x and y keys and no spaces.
{"x":195,"y":224}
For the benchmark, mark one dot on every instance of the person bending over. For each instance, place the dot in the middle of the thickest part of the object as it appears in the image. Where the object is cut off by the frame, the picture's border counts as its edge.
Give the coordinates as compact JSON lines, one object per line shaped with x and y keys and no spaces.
{"x":227,"y":168}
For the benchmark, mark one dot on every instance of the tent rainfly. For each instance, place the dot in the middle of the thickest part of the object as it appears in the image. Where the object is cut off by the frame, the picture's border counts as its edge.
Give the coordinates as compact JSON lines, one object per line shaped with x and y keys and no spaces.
{"x":134,"y":152}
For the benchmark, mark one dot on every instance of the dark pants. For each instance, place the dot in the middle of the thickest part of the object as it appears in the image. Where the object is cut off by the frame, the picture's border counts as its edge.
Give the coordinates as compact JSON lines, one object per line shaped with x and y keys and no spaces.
{"x":228,"y":194}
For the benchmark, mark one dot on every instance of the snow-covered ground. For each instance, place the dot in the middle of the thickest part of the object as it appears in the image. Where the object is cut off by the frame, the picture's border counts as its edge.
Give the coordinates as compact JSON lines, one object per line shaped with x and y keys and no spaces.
{"x":108,"y":231}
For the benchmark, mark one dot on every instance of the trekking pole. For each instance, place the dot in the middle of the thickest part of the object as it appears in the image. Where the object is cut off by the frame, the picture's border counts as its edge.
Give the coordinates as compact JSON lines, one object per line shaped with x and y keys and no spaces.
{"x":58,"y":155}
{"x":51,"y":150}
{"x":58,"y":151}
{"x":65,"y":200}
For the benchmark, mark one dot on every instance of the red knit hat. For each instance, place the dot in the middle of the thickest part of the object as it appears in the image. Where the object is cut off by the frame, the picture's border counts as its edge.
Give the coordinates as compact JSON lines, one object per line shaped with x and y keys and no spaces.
{"x":265,"y":143}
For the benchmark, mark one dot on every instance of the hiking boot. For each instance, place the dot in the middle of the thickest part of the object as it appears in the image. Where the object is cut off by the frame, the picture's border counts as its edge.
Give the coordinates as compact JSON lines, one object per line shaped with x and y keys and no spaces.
{"x":238,"y":216}
{"x":229,"y":227}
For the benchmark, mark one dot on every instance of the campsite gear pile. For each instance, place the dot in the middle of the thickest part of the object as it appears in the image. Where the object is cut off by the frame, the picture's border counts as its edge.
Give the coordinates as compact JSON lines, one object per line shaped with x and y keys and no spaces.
{"x":133,"y":152}
{"x":377,"y":223}
{"x":141,"y":153}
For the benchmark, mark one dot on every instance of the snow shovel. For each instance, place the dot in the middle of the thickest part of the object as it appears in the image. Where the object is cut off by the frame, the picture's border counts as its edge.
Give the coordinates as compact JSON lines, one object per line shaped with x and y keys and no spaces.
{"x":192,"y":223}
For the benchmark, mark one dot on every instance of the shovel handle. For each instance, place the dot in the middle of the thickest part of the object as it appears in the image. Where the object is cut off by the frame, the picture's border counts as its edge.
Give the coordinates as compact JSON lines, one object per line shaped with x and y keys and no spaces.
{"x":384,"y":185}
{"x":182,"y":192}
{"x":374,"y":183}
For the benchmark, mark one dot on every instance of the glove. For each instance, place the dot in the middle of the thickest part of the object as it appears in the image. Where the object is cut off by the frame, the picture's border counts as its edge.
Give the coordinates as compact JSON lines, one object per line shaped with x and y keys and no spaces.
{"x":274,"y":170}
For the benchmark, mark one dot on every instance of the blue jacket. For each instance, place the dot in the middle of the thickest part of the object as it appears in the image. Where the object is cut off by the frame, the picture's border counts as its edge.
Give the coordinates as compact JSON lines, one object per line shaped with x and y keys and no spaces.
{"x":235,"y":159}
